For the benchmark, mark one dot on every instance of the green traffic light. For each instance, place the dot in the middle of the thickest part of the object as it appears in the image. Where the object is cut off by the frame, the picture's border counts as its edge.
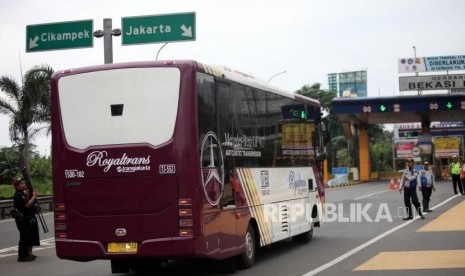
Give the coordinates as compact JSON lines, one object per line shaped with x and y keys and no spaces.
{"x":382,"y":108}
{"x":449,"y":105}
{"x":303,"y":115}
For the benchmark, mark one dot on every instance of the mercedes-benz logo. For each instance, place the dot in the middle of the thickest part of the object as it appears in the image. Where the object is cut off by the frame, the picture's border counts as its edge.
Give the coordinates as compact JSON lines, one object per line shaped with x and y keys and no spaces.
{"x":212,"y":168}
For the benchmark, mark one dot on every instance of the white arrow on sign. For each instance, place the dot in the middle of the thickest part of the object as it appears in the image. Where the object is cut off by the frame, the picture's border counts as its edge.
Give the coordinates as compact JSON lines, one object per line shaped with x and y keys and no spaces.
{"x":186,"y":31}
{"x":33,"y":42}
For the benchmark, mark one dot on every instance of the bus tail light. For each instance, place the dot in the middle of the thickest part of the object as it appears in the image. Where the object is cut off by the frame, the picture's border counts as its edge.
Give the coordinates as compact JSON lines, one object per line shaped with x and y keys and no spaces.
{"x":186,"y":233}
{"x":60,"y":216}
{"x":186,"y":222}
{"x":60,"y":227}
{"x":185,"y":218}
{"x":185,"y":202}
{"x":60,"y":221}
{"x":185,"y":212}
{"x":60,"y":207}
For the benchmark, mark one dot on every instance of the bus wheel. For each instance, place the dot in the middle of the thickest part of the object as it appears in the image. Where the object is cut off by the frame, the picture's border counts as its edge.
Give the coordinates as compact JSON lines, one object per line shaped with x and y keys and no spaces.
{"x":145,"y":265}
{"x":247,"y":259}
{"x":118,"y":266}
{"x":304,"y":237}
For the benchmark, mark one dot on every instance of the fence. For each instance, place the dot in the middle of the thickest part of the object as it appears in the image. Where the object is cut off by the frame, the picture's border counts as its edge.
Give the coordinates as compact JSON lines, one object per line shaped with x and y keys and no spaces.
{"x":46,"y":203}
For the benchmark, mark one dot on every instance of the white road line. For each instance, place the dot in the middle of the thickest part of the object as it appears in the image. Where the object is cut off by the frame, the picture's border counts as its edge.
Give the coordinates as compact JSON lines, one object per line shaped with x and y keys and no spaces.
{"x":13,"y":251}
{"x":368,"y":243}
{"x":372,"y":194}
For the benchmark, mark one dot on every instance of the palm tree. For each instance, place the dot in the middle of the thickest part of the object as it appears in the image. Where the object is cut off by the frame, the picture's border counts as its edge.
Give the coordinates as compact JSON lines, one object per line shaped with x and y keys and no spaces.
{"x":28,"y":106}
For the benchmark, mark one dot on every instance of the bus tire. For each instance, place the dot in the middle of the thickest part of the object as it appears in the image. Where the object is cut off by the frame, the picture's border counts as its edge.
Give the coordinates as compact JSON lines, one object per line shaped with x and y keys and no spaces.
{"x":304,"y":237}
{"x":118,"y":266}
{"x":145,"y":265}
{"x":247,"y":259}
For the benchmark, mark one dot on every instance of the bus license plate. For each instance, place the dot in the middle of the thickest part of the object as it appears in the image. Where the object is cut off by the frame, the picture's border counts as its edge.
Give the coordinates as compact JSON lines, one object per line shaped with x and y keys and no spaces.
{"x":122,"y":247}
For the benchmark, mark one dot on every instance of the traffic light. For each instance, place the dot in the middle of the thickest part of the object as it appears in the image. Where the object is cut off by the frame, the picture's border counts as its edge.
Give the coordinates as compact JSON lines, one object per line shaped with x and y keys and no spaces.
{"x":449,"y":105}
{"x":382,"y":108}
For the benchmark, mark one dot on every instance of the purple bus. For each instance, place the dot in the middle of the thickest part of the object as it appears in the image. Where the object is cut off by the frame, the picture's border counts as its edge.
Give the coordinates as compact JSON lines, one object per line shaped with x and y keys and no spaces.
{"x":165,"y":160}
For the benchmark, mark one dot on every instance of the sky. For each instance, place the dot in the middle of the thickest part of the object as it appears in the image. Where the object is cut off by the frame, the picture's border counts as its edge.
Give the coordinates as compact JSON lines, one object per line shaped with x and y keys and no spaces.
{"x":306,"y":38}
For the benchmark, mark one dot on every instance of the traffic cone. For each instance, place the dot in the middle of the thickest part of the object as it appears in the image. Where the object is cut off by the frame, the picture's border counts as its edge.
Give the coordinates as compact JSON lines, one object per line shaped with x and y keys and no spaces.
{"x":398,"y":183}
{"x":391,"y":185}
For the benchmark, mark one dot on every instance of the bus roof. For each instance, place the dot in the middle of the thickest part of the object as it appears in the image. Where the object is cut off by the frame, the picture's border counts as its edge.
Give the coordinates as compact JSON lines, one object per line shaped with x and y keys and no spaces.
{"x":251,"y":80}
{"x":216,"y":70}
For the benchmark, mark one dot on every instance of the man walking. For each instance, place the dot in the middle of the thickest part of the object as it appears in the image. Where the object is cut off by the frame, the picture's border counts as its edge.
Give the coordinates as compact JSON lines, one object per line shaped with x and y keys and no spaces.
{"x":426,"y":179}
{"x":409,"y":185}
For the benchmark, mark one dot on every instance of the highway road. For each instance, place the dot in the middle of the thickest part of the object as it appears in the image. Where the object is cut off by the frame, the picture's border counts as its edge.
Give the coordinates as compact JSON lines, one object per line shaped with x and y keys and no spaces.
{"x":364,"y":234}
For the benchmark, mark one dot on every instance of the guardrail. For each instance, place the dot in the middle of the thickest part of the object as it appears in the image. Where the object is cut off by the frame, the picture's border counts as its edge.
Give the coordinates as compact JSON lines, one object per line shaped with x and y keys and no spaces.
{"x":46,"y":203}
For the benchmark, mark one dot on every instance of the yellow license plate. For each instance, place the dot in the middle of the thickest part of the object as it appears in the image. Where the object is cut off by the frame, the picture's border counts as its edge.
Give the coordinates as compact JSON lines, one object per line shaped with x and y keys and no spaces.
{"x":122,"y":247}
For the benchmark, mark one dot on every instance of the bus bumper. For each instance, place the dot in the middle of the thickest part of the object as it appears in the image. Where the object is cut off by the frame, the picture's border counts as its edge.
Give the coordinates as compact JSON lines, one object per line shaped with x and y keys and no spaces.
{"x":167,"y":248}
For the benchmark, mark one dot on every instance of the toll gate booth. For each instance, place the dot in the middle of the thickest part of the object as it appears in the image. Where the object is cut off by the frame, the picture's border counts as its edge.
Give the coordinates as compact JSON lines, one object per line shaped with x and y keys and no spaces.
{"x":357,"y":113}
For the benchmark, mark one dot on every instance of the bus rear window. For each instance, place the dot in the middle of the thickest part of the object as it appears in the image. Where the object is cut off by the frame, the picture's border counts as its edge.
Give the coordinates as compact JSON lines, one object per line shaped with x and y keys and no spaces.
{"x":134,"y":105}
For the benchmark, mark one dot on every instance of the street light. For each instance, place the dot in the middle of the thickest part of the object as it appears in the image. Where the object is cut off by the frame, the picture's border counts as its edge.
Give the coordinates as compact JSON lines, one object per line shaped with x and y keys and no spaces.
{"x":160,"y":50}
{"x":276,"y":75}
{"x":107,"y":34}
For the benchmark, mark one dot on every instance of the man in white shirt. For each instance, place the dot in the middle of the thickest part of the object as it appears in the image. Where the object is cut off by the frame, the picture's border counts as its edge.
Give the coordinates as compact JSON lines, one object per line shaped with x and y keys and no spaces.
{"x":409,"y":185}
{"x":426,"y":179}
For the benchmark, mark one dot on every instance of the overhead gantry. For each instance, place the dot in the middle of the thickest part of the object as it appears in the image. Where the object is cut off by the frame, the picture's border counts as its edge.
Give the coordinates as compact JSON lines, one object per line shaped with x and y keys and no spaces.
{"x":357,"y":113}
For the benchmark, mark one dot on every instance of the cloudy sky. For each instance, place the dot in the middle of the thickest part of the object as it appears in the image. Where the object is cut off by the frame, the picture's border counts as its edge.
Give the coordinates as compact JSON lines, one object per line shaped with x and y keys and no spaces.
{"x":307,"y":38}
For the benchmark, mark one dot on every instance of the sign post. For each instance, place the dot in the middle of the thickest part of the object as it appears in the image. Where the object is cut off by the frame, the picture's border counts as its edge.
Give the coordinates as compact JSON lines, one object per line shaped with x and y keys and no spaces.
{"x":60,"y":35}
{"x":158,"y":28}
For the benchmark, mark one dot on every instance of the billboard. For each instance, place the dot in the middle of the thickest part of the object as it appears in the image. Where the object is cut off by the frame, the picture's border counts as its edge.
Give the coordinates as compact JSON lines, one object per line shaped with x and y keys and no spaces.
{"x":355,"y":81}
{"x":446,"y":146}
{"x":433,"y":82}
{"x":413,"y":148}
{"x":297,"y":138}
{"x":431,"y":64}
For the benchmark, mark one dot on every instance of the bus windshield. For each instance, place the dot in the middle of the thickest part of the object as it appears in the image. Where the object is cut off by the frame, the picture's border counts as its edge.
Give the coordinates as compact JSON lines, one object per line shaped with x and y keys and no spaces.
{"x":114,"y":101}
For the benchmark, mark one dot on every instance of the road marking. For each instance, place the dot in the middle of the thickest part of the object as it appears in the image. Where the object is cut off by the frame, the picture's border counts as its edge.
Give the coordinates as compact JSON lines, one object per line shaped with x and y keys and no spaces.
{"x":437,"y":259}
{"x":368,"y":243}
{"x":371,"y":194}
{"x":13,"y":251}
{"x":452,"y":220}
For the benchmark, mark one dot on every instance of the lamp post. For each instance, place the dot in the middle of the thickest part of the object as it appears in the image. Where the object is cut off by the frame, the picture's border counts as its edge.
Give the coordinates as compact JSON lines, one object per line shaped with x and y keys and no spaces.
{"x":107,"y":33}
{"x":160,"y":50}
{"x":276,"y":75}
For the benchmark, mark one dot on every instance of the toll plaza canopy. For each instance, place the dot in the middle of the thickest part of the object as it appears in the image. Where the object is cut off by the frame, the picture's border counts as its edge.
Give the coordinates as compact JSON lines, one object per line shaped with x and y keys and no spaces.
{"x":400,"y":109}
{"x":357,"y":113}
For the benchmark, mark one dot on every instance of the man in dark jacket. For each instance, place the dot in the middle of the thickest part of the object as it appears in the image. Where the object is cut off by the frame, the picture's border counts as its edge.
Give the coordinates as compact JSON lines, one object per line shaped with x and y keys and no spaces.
{"x":23,"y":204}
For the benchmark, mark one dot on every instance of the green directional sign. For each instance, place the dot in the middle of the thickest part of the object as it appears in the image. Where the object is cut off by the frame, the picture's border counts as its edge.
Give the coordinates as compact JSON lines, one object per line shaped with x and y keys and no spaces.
{"x":61,"y":35}
{"x":158,"y":28}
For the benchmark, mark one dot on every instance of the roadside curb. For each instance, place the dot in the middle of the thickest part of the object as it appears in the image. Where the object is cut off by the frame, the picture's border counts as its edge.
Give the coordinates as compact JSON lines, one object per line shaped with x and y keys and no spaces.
{"x":350,"y":183}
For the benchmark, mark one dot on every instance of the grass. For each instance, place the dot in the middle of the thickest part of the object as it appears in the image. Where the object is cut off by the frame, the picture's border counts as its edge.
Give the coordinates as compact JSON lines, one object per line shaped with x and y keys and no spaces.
{"x":7,"y":190}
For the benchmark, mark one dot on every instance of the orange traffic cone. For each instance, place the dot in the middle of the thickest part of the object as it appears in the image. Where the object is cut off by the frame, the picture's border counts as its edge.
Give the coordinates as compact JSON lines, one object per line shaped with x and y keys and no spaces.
{"x":398,"y":183}
{"x":391,"y":185}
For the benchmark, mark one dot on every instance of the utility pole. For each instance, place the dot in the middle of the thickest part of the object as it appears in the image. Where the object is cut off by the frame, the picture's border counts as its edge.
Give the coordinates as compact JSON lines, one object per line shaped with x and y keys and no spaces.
{"x":107,"y":34}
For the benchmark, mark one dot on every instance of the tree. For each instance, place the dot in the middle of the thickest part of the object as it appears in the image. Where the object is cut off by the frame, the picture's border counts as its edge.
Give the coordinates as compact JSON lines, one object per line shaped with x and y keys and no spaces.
{"x":325,"y":97}
{"x":9,"y":164}
{"x":28,"y":106}
{"x":381,"y":149}
{"x":314,"y":91}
